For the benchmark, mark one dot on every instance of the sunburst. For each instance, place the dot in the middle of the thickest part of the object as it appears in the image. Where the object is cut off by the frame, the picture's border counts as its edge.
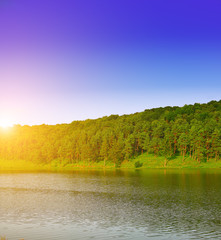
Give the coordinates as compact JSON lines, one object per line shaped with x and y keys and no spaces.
{"x":5,"y":123}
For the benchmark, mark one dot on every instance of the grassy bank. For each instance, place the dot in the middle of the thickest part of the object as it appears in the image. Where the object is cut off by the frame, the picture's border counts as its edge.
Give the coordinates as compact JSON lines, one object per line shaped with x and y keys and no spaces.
{"x":143,"y":161}
{"x":150,"y":161}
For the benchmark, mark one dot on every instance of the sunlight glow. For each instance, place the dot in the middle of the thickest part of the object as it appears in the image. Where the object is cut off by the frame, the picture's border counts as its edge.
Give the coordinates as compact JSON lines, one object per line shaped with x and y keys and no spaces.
{"x":5,"y":123}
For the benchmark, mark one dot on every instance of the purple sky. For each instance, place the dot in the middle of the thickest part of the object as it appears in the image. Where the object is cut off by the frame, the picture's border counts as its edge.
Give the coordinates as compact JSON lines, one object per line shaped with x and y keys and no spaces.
{"x":66,"y":60}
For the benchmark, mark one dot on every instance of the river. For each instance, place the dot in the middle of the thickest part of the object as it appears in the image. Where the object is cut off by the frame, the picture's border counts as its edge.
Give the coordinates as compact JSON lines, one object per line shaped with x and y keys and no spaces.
{"x":142,"y":204}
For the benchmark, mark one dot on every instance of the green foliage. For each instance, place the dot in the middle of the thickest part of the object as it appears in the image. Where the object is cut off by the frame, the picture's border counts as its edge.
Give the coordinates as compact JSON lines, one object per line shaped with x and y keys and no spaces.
{"x":189,"y":131}
{"x":138,"y":164}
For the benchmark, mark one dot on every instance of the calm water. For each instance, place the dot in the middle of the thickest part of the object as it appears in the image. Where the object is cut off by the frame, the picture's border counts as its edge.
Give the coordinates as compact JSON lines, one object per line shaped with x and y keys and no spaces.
{"x":150,"y":204}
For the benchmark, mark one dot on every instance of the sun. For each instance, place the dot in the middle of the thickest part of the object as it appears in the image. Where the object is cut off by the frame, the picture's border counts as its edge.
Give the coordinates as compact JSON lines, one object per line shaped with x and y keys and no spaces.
{"x":5,"y":123}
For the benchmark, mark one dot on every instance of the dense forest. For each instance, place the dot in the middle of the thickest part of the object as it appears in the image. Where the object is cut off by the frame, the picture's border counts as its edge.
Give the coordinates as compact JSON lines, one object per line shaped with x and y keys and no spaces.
{"x":191,"y":130}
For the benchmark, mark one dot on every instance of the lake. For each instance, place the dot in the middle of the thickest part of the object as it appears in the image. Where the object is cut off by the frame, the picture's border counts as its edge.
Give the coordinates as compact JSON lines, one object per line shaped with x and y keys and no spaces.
{"x":142,"y":204}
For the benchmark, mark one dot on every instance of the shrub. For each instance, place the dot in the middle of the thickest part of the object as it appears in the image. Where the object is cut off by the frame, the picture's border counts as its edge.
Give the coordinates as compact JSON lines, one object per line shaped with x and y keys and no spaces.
{"x":138,"y":164}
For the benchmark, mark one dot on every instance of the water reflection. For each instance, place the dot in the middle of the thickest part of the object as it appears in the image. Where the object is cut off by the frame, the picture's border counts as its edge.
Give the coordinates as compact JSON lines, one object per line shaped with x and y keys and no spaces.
{"x":180,"y":204}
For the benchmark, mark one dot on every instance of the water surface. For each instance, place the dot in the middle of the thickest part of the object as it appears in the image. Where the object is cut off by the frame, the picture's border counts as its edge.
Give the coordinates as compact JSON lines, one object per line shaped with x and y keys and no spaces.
{"x":147,"y":204}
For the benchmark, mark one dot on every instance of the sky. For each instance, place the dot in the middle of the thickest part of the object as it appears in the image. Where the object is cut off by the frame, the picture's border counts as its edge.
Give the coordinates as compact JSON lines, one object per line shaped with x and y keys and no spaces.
{"x":66,"y":60}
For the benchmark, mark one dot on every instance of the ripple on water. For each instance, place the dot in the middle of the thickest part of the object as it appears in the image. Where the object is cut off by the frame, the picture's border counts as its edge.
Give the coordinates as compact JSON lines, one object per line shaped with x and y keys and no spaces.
{"x":132,"y":205}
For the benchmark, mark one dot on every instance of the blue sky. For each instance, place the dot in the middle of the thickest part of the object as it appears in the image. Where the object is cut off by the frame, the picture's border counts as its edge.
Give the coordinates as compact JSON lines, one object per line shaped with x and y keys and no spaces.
{"x":66,"y":60}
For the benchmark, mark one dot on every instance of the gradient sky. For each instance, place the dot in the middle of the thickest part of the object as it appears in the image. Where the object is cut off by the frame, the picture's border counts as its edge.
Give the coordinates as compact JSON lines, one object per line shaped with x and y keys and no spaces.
{"x":65,"y":60}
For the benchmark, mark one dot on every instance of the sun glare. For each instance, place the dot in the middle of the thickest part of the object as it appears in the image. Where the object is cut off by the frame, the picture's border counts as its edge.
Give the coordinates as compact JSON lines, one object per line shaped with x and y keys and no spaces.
{"x":4,"y":123}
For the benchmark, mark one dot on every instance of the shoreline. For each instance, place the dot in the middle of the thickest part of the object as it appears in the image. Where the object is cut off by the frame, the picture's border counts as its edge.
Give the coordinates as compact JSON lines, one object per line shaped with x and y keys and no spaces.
{"x":94,"y":168}
{"x":141,"y":162}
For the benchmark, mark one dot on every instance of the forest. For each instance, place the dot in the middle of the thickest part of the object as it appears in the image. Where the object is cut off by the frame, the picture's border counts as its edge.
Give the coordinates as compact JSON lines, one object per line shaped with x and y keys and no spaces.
{"x":191,"y":130}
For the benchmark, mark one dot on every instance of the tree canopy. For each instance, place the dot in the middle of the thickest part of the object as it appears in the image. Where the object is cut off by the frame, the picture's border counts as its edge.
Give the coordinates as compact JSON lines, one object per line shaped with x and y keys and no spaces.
{"x":191,"y":130}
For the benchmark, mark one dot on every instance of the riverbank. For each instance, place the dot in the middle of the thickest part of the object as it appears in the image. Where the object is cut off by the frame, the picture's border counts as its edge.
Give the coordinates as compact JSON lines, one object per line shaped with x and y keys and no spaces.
{"x":143,"y":161}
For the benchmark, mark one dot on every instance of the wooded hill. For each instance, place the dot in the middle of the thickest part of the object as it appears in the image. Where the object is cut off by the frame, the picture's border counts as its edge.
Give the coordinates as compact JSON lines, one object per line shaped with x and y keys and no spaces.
{"x":191,"y":130}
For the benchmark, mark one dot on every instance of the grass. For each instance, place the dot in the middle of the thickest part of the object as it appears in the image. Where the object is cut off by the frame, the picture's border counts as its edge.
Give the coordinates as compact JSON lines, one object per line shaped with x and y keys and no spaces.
{"x":143,"y":161}
{"x":150,"y":161}
{"x":19,"y":165}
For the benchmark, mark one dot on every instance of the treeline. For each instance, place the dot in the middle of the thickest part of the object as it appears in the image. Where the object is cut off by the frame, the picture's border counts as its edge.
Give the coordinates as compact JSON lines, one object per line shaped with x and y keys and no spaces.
{"x":191,"y":130}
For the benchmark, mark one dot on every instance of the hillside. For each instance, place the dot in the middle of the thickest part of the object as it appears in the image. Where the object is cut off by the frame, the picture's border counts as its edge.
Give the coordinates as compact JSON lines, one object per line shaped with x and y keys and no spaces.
{"x":191,"y":131}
